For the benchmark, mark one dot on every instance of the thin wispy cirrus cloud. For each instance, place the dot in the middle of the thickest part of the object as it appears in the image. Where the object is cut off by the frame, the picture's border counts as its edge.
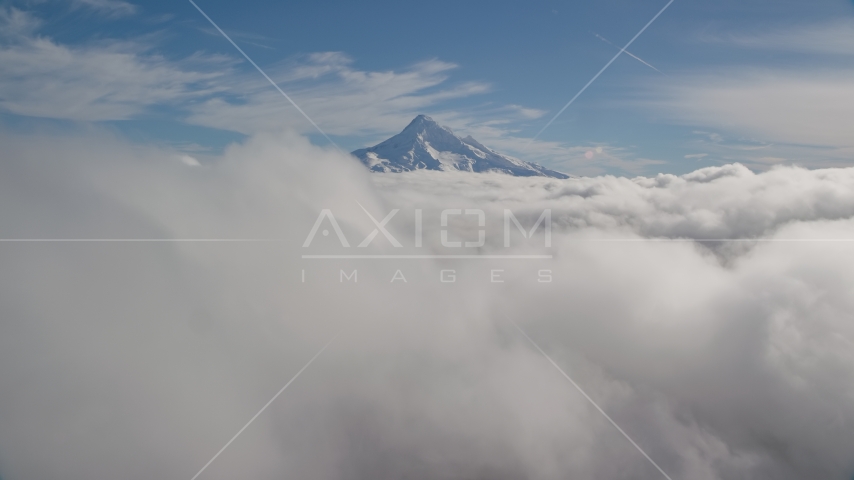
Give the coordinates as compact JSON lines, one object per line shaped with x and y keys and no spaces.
{"x":114,"y":80}
{"x":117,"y":80}
{"x":779,"y":105}
{"x":341,"y":98}
{"x":797,"y":111}
{"x":105,"y":80}
{"x":107,"y":8}
{"x":828,"y":38}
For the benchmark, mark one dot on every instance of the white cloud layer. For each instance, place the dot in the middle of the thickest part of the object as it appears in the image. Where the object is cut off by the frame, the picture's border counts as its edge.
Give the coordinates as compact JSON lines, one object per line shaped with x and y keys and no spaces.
{"x":723,"y":361}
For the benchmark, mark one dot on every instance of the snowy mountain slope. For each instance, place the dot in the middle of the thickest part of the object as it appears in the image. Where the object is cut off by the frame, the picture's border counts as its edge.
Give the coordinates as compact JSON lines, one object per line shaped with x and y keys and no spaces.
{"x":426,"y":145}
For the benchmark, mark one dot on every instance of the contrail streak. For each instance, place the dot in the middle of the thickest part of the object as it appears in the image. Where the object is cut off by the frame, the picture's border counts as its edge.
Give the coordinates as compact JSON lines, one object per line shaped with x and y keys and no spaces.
{"x":600,"y":37}
{"x":603,"y":69}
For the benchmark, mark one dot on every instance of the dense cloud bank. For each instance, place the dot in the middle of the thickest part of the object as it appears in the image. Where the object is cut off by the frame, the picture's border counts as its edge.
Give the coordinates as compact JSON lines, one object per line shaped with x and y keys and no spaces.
{"x":722,"y":360}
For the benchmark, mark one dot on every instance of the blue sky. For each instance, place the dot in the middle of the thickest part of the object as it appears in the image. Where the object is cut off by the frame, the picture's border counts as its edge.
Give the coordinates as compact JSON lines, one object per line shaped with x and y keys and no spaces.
{"x":758,"y":82}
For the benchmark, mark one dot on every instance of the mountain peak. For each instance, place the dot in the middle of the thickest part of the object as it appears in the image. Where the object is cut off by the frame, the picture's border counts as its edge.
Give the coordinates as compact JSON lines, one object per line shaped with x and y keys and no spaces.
{"x":426,"y":145}
{"x":423,"y":118}
{"x":423,"y":122}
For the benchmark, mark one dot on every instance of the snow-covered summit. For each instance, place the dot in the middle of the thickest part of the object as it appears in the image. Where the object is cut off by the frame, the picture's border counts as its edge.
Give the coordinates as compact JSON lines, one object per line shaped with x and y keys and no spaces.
{"x":426,"y":145}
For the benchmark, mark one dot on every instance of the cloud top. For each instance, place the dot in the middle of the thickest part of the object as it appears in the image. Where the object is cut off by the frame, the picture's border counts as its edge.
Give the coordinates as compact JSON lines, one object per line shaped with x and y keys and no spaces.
{"x":140,"y":361}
